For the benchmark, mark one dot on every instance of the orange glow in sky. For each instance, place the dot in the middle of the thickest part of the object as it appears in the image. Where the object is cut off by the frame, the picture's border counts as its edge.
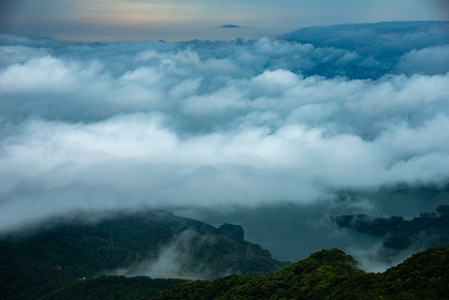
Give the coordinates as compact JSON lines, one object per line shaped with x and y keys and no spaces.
{"x":119,"y":20}
{"x":136,"y":14}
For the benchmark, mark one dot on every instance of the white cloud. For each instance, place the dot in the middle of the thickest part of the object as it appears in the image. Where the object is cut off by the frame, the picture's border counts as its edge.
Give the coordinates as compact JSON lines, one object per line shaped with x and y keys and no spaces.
{"x":37,"y":75}
{"x":431,"y":60}
{"x":17,"y":54}
{"x":211,"y":125}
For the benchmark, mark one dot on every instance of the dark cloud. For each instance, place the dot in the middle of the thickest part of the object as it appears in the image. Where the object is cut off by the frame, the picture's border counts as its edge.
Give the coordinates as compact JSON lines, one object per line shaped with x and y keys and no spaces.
{"x":379,"y":45}
{"x":231,"y":26}
{"x":219,"y":125}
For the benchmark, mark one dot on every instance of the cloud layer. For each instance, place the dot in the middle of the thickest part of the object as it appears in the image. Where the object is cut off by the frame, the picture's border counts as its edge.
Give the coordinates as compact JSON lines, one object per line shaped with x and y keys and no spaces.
{"x":215,"y":124}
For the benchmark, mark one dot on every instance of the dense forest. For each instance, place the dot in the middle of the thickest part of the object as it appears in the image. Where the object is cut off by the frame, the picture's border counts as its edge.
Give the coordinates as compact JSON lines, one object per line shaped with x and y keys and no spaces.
{"x":327,"y":274}
{"x":115,"y":287}
{"x":150,"y":243}
{"x":331,"y":274}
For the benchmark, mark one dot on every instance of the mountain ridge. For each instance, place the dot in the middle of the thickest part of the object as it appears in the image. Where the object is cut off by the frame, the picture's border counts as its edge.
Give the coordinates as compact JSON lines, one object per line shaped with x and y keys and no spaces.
{"x":152,"y":243}
{"x":331,"y":274}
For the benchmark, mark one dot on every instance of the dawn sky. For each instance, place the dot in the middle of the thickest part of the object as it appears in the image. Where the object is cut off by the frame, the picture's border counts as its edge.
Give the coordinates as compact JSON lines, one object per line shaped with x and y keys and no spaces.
{"x":121,"y":20}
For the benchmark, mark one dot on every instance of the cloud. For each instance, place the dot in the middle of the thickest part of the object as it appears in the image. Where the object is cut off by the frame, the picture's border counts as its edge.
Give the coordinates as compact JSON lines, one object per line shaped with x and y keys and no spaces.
{"x":431,"y":60}
{"x":218,"y":124}
{"x":231,"y":26}
{"x":378,"y":45}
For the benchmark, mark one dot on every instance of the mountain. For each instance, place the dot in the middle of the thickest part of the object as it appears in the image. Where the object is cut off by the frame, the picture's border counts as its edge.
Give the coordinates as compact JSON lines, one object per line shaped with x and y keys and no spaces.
{"x":428,"y":230}
{"x":331,"y":274}
{"x":69,"y":260}
{"x":151,"y":243}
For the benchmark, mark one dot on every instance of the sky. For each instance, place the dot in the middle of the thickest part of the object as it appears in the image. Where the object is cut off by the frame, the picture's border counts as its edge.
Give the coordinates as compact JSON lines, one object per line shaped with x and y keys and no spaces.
{"x":291,"y":128}
{"x":174,"y":20}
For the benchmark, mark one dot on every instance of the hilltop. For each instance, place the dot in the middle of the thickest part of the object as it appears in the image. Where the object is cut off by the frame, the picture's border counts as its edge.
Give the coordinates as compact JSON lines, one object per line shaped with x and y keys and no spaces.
{"x":331,"y":274}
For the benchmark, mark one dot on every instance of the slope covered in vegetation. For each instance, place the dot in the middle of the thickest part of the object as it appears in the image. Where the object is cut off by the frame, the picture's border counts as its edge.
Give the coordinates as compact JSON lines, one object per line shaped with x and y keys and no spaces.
{"x":331,"y":274}
{"x":151,"y":243}
{"x":115,"y":287}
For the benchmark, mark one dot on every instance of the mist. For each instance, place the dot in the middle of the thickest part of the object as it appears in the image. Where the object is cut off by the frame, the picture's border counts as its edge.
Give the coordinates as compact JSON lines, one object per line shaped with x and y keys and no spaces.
{"x":231,"y":129}
{"x":173,"y":261}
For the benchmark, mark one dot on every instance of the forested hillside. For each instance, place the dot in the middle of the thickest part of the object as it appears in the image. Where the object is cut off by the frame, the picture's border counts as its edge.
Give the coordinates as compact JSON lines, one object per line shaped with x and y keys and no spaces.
{"x":331,"y":274}
{"x":80,"y":258}
{"x":151,"y":243}
{"x":115,"y":287}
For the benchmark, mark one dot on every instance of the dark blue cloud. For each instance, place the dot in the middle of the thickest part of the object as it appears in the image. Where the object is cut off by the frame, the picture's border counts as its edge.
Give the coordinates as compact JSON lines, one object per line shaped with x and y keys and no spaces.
{"x":231,"y":26}
{"x":379,"y":46}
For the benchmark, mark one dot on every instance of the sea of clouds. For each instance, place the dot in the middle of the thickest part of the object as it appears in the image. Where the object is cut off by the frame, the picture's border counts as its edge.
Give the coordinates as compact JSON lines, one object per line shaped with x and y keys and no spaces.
{"x":215,"y":125}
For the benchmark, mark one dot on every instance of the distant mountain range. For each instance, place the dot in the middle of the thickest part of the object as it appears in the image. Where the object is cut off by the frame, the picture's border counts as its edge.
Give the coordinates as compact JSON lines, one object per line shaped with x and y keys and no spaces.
{"x":428,"y":230}
{"x":151,"y":243}
{"x":399,"y":237}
